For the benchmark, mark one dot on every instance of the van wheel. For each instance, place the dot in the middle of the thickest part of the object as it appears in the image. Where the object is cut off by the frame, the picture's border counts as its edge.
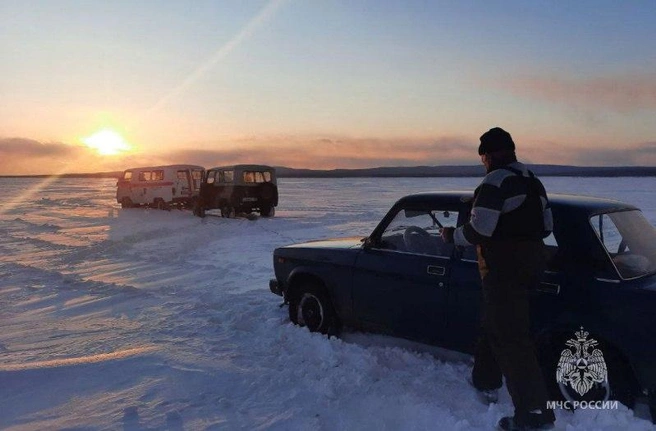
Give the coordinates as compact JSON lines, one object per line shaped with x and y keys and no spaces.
{"x":126,"y":203}
{"x":310,"y":306}
{"x":228,"y":212}
{"x":160,"y":204}
{"x":199,"y":210}
{"x":268,"y":211}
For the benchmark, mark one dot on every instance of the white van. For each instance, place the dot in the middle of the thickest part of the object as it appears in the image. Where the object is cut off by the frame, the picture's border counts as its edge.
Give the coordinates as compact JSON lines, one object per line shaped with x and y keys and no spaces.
{"x":159,"y":186}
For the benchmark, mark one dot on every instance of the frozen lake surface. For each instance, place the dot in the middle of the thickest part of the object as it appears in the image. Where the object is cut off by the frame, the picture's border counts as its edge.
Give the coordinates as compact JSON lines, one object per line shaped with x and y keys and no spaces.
{"x":141,"y":319}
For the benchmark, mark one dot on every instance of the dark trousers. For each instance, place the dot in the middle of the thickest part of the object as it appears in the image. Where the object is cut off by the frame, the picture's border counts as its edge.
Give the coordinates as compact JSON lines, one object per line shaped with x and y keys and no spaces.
{"x":510,"y":271}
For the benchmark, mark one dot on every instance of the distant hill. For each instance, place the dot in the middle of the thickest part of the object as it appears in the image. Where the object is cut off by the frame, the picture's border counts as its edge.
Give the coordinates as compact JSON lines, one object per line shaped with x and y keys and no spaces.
{"x":467,"y":171}
{"x":422,"y":171}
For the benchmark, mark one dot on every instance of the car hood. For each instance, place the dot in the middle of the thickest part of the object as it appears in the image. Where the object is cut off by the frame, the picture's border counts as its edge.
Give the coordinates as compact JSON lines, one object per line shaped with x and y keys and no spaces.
{"x":351,"y":242}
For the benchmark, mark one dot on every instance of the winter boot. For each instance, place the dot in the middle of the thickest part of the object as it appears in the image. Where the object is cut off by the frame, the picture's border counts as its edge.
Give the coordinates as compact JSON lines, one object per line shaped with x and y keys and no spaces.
{"x":536,"y":420}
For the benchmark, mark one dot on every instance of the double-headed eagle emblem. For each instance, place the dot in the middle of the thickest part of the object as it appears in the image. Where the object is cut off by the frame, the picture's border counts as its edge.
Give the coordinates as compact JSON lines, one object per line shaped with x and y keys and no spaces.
{"x":578,"y":367}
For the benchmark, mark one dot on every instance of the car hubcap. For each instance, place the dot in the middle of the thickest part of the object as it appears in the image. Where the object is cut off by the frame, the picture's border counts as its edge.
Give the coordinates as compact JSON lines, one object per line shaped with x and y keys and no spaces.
{"x":310,"y":312}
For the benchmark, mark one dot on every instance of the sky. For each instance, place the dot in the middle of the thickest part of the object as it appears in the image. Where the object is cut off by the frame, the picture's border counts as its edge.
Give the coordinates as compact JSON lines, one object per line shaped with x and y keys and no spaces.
{"x":89,"y":86}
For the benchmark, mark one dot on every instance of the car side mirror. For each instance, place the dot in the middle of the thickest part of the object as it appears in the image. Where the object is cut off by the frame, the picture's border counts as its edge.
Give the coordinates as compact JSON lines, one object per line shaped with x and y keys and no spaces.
{"x":367,"y":243}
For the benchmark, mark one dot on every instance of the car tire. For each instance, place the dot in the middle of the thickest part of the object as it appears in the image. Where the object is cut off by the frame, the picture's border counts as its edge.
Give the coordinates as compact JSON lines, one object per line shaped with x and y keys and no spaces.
{"x":199,"y":209}
{"x":268,"y":211}
{"x":311,"y":307}
{"x":126,"y":203}
{"x":620,"y":383}
{"x":228,"y":212}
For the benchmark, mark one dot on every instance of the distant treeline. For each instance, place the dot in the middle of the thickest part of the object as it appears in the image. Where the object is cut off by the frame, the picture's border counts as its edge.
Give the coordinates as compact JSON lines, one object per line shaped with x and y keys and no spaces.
{"x":421,"y":171}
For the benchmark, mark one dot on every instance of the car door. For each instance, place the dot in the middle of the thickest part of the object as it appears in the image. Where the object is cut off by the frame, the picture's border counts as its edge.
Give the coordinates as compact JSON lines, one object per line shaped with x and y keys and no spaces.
{"x":400,"y":281}
{"x":465,"y":296}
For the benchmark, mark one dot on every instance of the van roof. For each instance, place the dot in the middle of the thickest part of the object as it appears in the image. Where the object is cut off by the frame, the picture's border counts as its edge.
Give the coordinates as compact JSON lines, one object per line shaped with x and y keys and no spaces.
{"x":247,"y":167}
{"x":142,"y":168}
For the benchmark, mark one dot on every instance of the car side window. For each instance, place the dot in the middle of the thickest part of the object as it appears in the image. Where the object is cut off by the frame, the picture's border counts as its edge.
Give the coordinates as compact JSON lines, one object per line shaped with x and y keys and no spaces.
{"x":418,"y":232}
{"x":607,"y":232}
{"x":629,"y":240}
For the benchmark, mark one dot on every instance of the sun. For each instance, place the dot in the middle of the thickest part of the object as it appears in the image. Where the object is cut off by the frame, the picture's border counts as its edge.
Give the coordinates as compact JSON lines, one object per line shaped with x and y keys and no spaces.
{"x":106,"y":142}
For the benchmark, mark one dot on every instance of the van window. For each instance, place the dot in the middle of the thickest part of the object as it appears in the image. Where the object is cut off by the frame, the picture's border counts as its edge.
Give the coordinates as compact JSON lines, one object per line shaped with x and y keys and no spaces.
{"x":158,"y":175}
{"x":144,"y":176}
{"x":228,"y":176}
{"x":257,"y":177}
{"x":182,"y":175}
{"x":127,"y":175}
{"x":197,"y":176}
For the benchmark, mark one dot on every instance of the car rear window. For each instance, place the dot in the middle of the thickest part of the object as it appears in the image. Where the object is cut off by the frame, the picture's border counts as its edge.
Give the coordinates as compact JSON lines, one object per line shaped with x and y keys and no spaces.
{"x":630,"y":241}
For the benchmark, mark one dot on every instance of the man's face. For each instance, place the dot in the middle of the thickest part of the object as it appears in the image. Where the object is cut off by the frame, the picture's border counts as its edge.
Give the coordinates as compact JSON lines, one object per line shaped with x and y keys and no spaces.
{"x":487,"y":161}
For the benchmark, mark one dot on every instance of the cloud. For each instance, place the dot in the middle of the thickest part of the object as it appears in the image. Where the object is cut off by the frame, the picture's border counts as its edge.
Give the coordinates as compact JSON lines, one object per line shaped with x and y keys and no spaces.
{"x":622,"y":93}
{"x":334,"y":152}
{"x":20,"y":147}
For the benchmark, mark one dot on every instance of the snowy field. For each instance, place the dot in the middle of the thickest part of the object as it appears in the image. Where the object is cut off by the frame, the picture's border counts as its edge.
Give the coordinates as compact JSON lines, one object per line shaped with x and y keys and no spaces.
{"x":138,"y":319}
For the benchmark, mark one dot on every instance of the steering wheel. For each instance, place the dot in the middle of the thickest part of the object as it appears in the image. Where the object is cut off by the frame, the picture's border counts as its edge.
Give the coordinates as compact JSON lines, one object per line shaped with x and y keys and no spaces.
{"x":416,"y":239}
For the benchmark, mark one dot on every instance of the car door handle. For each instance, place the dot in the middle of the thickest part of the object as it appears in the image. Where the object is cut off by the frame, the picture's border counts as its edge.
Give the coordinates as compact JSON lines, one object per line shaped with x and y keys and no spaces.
{"x":551,"y":288}
{"x":436,"y":270}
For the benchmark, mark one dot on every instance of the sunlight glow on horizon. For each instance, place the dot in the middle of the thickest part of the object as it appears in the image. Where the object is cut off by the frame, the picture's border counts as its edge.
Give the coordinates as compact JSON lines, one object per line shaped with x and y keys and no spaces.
{"x":107,"y":143}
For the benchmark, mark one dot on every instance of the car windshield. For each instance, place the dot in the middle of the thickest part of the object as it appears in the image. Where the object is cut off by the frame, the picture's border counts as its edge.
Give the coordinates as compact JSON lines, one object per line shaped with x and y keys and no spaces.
{"x":630,"y":241}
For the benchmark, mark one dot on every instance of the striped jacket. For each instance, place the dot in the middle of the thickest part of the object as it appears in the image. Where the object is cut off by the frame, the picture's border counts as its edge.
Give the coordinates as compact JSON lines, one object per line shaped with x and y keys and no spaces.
{"x":503,"y":191}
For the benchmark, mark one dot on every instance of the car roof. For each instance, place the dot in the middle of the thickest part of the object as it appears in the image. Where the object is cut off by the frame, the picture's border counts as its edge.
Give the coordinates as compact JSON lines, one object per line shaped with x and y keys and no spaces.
{"x":588,"y":204}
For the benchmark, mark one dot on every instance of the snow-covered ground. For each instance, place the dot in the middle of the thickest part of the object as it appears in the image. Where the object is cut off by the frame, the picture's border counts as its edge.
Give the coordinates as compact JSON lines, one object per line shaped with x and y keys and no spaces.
{"x":142,"y":319}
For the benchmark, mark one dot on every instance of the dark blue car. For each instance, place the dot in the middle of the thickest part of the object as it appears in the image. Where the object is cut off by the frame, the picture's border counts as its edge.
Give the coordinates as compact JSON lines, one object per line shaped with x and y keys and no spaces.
{"x":593,"y":317}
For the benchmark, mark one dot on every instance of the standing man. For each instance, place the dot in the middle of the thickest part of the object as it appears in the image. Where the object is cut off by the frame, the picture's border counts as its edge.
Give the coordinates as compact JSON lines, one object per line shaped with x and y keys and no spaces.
{"x":510,"y":217}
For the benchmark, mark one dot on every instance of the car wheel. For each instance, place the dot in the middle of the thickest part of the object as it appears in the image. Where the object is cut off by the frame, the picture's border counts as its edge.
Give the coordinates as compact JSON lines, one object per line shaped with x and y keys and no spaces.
{"x":268,"y":211}
{"x":228,"y":212}
{"x":310,"y":306}
{"x":199,"y":209}
{"x":619,"y":384}
{"x":126,"y":203}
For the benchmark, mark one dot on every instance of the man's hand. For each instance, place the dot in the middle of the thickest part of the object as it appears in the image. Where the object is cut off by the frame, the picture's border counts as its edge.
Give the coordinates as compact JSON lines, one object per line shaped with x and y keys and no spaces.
{"x":447,"y":234}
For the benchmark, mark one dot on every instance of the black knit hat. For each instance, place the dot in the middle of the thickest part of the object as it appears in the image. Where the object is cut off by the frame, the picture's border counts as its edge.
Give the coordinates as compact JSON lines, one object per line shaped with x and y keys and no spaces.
{"x":495,"y":139}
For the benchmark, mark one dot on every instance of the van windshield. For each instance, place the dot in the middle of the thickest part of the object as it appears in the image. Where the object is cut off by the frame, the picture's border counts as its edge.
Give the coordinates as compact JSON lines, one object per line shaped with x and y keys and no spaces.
{"x":630,"y":241}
